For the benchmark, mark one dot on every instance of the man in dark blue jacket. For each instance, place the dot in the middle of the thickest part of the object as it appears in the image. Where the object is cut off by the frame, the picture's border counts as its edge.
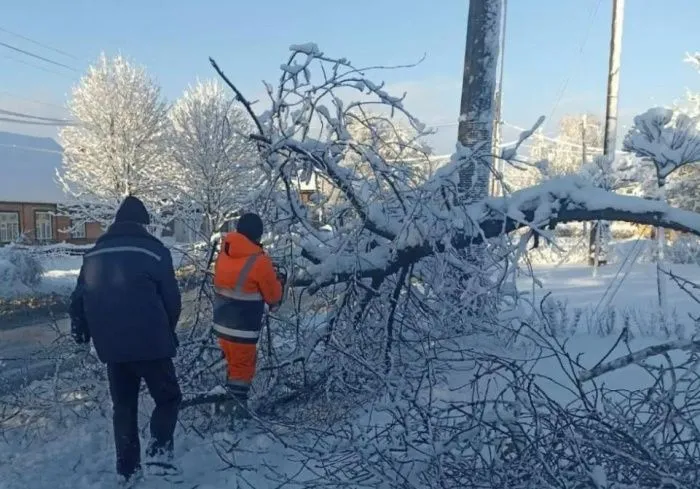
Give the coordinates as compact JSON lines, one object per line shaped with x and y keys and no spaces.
{"x":128,"y":301}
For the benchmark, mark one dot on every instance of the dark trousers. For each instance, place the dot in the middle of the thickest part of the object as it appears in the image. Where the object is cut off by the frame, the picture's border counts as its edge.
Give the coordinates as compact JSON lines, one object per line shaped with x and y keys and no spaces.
{"x":124,"y":386}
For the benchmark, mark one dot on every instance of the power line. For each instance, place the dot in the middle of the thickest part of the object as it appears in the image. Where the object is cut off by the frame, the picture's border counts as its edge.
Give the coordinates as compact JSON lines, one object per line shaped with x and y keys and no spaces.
{"x":36,"y":123}
{"x":582,"y":45}
{"x":560,"y":141}
{"x":46,"y":46}
{"x":29,"y":116}
{"x":30,"y":148}
{"x":33,"y":55}
{"x":41,"y":102}
{"x":38,"y":67}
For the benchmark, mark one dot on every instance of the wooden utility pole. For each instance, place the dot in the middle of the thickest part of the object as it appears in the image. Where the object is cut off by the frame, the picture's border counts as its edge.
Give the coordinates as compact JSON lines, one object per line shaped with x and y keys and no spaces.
{"x":611,"y":107}
{"x":476,"y":115}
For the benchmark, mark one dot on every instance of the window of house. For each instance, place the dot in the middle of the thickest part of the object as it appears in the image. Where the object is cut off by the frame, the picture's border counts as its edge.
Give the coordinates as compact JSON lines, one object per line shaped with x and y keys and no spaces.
{"x":43,"y":222}
{"x":9,"y":227}
{"x":78,"y":230}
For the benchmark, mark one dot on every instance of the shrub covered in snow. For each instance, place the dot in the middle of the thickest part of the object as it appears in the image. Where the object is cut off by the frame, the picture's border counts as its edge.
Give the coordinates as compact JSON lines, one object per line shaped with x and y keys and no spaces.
{"x":20,"y":271}
{"x":684,"y":250}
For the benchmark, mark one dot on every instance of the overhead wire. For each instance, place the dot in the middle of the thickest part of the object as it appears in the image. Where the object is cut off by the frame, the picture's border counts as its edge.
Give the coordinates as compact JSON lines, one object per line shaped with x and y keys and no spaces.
{"x":581,"y":48}
{"x":33,"y":41}
{"x":38,"y":67}
{"x":560,"y":141}
{"x":37,"y":123}
{"x":37,"y":56}
{"x":29,"y":116}
{"x":30,"y":148}
{"x":28,"y":99}
{"x":20,"y":117}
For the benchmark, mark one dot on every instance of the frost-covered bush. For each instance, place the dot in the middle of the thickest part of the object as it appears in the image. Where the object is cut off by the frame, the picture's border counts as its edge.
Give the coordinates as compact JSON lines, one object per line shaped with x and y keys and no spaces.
{"x":684,"y":250}
{"x":20,"y":271}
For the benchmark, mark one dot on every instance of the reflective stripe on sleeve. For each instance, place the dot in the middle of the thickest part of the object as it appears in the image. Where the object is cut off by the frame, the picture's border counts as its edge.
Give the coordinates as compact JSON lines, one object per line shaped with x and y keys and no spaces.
{"x":239,"y":295}
{"x":237,"y":292}
{"x":236,"y":333}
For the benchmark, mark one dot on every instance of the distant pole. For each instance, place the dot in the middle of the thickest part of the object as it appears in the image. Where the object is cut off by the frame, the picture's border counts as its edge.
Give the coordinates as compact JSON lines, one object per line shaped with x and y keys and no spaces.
{"x":476,"y":114}
{"x":611,"y":107}
{"x":496,"y":184}
{"x":584,"y":148}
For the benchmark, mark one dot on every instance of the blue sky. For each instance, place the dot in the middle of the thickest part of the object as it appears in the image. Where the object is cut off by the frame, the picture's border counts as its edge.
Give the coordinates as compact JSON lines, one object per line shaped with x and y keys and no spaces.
{"x":550,"y":44}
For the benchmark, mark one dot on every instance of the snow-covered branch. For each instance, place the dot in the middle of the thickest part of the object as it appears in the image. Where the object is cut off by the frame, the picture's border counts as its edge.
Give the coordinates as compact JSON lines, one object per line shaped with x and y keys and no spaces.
{"x":638,"y":357}
{"x":668,"y":139}
{"x":383,"y":219}
{"x":563,"y":200}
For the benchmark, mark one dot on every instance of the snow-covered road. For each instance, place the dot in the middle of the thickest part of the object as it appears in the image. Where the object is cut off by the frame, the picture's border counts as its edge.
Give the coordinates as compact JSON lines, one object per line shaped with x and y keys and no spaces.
{"x":88,"y":463}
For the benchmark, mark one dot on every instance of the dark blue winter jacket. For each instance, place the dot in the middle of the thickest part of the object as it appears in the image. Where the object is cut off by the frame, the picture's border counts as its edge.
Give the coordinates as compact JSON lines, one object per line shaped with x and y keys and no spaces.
{"x":127,"y":296}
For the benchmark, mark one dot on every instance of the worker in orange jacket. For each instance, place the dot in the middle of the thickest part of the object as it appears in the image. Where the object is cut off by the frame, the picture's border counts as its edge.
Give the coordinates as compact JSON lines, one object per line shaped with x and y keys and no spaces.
{"x":245,"y":281}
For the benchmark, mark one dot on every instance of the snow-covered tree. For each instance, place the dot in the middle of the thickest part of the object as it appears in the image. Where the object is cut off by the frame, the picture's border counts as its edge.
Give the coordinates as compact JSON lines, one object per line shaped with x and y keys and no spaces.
{"x":391,"y":139}
{"x":693,"y":106}
{"x":213,"y":164}
{"x":386,"y":138}
{"x":684,"y":186}
{"x":671,"y":142}
{"x":117,"y":147}
{"x":579,"y":140}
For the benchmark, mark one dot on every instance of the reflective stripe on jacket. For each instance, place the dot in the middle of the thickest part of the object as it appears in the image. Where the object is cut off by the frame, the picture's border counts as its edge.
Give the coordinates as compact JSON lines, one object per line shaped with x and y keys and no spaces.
{"x":244,"y":280}
{"x":128,"y":297}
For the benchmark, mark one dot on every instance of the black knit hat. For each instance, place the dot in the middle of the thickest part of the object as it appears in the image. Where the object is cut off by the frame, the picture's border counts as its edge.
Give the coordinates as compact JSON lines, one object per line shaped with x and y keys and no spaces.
{"x":132,"y":210}
{"x":251,"y":226}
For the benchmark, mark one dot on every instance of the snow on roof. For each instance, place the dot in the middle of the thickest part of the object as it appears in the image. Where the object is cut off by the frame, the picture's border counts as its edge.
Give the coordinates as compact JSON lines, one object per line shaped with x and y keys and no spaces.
{"x":28,"y":167}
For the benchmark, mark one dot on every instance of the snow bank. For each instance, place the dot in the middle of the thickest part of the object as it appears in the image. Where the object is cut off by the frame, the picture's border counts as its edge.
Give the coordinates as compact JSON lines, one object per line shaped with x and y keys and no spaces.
{"x":20,"y":272}
{"x":574,"y":251}
{"x":622,"y":294}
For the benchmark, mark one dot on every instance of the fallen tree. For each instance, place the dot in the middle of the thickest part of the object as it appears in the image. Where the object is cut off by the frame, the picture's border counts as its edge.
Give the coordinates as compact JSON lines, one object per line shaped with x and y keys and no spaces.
{"x":367,"y":367}
{"x":409,"y":221}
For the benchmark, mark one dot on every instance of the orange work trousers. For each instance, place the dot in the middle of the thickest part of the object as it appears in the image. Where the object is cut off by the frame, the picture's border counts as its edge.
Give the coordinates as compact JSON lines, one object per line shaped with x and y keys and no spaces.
{"x":241,"y":358}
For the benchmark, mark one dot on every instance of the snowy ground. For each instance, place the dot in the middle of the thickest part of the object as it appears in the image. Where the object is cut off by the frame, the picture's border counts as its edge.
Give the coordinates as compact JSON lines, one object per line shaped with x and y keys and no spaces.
{"x":60,"y":274}
{"x":625,"y":291}
{"x":82,"y":456}
{"x":61,"y":271}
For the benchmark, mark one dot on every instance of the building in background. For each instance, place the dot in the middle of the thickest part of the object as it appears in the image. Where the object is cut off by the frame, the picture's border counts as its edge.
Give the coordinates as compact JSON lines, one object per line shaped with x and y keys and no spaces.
{"x":38,"y":223}
{"x":30,"y":196}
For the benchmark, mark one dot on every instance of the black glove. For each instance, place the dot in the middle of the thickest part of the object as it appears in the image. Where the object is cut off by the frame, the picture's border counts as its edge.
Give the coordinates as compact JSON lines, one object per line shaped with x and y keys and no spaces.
{"x":81,"y":338}
{"x":281,"y":275}
{"x":80,"y":333}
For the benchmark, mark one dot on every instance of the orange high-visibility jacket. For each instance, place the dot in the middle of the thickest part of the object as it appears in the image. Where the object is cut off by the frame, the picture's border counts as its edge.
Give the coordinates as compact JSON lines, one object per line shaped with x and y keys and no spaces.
{"x":245,"y":280}
{"x":260,"y":281}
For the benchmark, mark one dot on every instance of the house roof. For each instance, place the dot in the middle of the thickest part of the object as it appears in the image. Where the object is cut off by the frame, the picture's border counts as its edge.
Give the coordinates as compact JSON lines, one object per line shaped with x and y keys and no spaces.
{"x":28,"y":167}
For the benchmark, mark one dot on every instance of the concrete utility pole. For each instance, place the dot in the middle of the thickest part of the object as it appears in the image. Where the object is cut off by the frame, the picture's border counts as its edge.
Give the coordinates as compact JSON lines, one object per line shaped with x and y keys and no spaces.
{"x":611,"y":107}
{"x":613,"y":79}
{"x":476,"y":115}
